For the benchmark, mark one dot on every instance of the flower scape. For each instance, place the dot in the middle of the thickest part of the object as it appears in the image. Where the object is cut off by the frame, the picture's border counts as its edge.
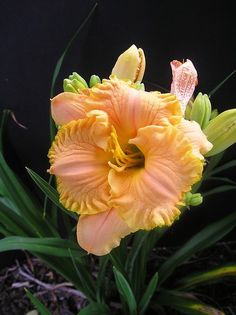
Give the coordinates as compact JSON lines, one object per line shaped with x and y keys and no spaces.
{"x":124,"y":158}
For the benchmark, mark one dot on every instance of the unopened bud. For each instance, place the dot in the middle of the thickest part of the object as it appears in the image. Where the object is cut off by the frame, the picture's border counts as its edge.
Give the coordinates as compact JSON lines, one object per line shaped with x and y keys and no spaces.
{"x":193,"y":199}
{"x":214,"y":113}
{"x":201,"y":110}
{"x":75,"y":83}
{"x":94,"y":79}
{"x":139,"y":86}
{"x":130,"y":65}
{"x":187,"y":114}
{"x":221,"y":131}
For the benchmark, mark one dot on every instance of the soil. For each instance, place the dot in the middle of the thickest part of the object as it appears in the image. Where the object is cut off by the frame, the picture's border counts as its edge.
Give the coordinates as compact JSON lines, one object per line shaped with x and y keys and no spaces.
{"x":61,"y":298}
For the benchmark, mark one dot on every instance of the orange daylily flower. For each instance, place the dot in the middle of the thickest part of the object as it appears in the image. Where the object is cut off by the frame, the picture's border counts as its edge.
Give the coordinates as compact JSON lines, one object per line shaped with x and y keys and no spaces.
{"x":123,"y":159}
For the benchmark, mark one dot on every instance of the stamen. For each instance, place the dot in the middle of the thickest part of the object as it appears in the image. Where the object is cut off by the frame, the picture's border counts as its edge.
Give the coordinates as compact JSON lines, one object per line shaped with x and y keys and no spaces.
{"x":123,"y":160}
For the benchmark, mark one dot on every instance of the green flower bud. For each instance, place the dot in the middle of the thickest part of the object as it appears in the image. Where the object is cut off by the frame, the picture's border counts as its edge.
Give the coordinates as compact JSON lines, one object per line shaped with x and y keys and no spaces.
{"x":74,"y":84}
{"x":94,"y":79}
{"x":214,"y":113}
{"x":193,"y":199}
{"x":78,"y":78}
{"x":187,"y":114}
{"x":139,"y":86}
{"x":201,"y":110}
{"x":221,"y":131}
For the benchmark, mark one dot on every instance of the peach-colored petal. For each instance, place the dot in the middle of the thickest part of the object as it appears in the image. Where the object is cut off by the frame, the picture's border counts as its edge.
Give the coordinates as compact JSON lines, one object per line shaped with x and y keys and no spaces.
{"x":130,"y":109}
{"x":184,"y":81}
{"x":98,"y":234}
{"x":193,"y":132}
{"x":80,"y":164}
{"x":66,"y":107}
{"x":148,"y":197}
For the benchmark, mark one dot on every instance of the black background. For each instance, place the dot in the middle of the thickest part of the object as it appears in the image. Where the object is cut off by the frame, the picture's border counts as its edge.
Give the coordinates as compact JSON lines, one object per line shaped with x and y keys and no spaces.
{"x":34,"y":34}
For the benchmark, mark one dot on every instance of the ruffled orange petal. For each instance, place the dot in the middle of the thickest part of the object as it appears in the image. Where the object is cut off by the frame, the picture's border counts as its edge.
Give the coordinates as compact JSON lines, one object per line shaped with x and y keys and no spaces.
{"x":98,"y":234}
{"x":193,"y":132}
{"x":148,"y":197}
{"x":66,"y":107}
{"x":130,"y":109}
{"x":80,"y":164}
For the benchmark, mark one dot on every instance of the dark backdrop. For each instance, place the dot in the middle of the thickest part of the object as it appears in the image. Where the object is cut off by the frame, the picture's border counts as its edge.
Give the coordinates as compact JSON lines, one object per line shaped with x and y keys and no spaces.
{"x":35,"y":33}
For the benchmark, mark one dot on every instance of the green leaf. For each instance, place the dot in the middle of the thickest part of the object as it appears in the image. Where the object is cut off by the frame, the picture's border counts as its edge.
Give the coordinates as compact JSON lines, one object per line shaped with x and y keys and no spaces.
{"x":143,"y":305}
{"x":61,"y":59}
{"x":208,"y":277}
{"x":125,"y":291}
{"x":223,"y":167}
{"x":139,"y":239}
{"x":48,"y":246}
{"x":212,"y":92}
{"x":203,"y":239}
{"x":88,"y":284}
{"x":95,"y":309}
{"x":49,"y":191}
{"x":26,"y":205}
{"x":37,"y":303}
{"x":14,"y":222}
{"x":103,"y":262}
{"x":219,"y":189}
{"x":222,"y":179}
{"x":186,"y":303}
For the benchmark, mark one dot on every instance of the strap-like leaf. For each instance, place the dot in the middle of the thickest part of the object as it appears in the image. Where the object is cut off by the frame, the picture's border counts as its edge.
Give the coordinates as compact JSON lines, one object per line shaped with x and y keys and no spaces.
{"x":223,"y":167}
{"x":37,"y":303}
{"x":203,"y":239}
{"x":207,"y":277}
{"x":143,"y":305}
{"x":48,"y":246}
{"x":49,"y":191}
{"x":125,"y":291}
{"x":219,"y":189}
{"x":186,"y":303}
{"x":95,"y":309}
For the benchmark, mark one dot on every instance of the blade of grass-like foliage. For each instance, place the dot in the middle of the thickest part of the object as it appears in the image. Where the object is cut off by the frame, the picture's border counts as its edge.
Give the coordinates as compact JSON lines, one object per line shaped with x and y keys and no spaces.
{"x":219,"y":189}
{"x":103,"y":262}
{"x":223,"y":167}
{"x":27,"y":206}
{"x":137,"y":279}
{"x":212,"y":92}
{"x":222,"y":179}
{"x":208,"y":277}
{"x":95,"y":309}
{"x":13,"y":222}
{"x":148,"y":294}
{"x":186,"y":303}
{"x":61,"y":59}
{"x":203,"y":239}
{"x":88,"y":284}
{"x":49,"y":191}
{"x":37,"y":303}
{"x":48,"y":246}
{"x":139,"y":239}
{"x":60,"y":62}
{"x":125,"y":291}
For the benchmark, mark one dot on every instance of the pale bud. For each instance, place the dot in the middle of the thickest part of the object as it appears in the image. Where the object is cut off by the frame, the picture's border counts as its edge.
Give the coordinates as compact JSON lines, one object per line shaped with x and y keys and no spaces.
{"x":94,"y":79}
{"x":75,"y":83}
{"x":221,"y":131}
{"x":201,"y":110}
{"x":130,"y":65}
{"x":193,"y":199}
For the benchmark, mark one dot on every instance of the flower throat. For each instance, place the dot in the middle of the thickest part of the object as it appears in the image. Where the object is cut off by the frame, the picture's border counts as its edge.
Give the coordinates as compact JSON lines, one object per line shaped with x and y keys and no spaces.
{"x":122,"y":159}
